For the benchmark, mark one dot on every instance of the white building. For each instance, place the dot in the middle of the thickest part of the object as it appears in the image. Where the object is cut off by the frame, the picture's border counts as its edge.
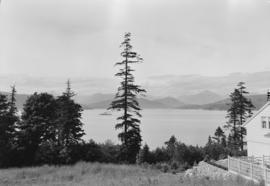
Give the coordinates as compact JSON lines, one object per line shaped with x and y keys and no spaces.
{"x":258,"y":132}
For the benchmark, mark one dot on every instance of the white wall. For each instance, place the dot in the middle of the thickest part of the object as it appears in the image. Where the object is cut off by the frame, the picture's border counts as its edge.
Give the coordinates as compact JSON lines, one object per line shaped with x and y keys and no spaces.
{"x":257,"y":143}
{"x":258,"y":149}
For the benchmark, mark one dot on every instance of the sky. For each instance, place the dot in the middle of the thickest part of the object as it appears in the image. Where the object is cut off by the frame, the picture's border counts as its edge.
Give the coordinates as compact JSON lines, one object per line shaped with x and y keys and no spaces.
{"x":81,"y":38}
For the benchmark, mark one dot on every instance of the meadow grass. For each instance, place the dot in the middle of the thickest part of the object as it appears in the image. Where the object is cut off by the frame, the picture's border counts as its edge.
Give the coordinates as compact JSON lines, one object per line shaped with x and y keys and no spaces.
{"x":96,"y":174}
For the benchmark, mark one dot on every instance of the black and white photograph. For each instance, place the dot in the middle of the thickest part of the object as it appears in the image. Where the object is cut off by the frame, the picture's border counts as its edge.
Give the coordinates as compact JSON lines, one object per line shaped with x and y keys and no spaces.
{"x":134,"y":93}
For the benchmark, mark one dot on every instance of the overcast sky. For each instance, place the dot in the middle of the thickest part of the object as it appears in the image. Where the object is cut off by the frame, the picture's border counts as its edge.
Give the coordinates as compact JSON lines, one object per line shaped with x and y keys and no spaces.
{"x":80,"y":38}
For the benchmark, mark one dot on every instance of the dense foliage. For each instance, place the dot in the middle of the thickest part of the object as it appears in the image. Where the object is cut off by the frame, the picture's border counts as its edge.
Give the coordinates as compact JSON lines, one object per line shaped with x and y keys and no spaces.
{"x":8,"y":119}
{"x":49,"y":131}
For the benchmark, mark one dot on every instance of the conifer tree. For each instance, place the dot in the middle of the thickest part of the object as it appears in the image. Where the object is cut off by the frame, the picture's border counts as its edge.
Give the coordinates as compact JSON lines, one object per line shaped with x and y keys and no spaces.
{"x":219,"y":134}
{"x":69,"y":123}
{"x":209,"y":141}
{"x":233,"y":120}
{"x":240,"y":110}
{"x":171,"y":147}
{"x":223,"y":141}
{"x":8,"y":121}
{"x":126,"y":101}
{"x":245,"y":111}
{"x":6,"y":131}
{"x":13,"y":116}
{"x":12,"y":105}
{"x":143,"y":155}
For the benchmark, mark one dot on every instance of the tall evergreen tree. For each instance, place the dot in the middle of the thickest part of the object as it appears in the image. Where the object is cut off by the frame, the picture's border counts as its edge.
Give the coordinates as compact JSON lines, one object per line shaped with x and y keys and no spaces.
{"x":8,"y":121}
{"x":126,"y":100}
{"x":233,"y":120}
{"x":245,"y":111}
{"x":6,"y":131}
{"x":70,"y":129}
{"x":13,"y":115}
{"x":12,"y":102}
{"x":69,"y":125}
{"x":240,"y":110}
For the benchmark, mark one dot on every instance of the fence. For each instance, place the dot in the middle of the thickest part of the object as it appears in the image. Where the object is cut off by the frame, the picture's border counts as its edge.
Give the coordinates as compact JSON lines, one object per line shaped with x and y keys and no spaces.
{"x":254,"y":168}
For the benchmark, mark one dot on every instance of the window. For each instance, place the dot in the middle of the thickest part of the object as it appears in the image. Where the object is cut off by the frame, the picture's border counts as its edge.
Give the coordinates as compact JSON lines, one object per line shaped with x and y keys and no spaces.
{"x":264,"y":122}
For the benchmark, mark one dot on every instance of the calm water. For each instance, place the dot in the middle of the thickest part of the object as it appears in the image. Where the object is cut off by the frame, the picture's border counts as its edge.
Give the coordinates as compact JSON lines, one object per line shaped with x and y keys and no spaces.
{"x":189,"y":126}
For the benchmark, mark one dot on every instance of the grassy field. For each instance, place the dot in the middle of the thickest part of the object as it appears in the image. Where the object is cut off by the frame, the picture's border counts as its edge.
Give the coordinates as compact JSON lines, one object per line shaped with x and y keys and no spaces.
{"x":95,"y":174}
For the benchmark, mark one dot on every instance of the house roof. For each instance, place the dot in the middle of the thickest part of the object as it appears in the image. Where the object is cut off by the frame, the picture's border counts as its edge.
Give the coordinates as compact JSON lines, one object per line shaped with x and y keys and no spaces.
{"x":258,"y":112}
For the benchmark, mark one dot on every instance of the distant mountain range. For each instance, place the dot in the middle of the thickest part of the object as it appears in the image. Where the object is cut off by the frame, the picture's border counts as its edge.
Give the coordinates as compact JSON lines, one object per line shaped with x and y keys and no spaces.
{"x":103,"y":100}
{"x":145,"y":103}
{"x":200,"y":101}
{"x":169,"y":102}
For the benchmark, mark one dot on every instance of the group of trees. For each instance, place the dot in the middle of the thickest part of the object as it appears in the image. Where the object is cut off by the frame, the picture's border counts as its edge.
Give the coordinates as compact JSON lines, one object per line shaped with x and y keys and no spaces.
{"x":45,"y":132}
{"x":49,"y":131}
{"x":239,"y":111}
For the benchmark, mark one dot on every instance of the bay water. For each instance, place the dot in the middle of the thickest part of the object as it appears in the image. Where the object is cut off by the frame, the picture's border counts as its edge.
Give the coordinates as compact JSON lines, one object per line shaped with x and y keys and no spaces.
{"x":157,"y":125}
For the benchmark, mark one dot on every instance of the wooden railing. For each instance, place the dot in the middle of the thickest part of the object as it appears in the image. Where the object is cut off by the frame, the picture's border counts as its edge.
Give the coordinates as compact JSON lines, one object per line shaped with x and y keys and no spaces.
{"x":254,"y":168}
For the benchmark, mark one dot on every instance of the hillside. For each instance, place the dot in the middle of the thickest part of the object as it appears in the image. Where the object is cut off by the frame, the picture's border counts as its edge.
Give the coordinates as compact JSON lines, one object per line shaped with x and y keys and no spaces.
{"x":170,"y":102}
{"x":201,"y":98}
{"x":95,"y":98}
{"x":258,"y":101}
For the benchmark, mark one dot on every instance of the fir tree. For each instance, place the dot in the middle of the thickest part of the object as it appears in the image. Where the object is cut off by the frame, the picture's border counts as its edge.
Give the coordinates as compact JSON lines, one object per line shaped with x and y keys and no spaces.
{"x":6,"y":131}
{"x":12,"y":110}
{"x":69,"y":118}
{"x":233,"y":120}
{"x":143,"y":155}
{"x":219,"y":134}
{"x":171,"y":147}
{"x":69,"y":125}
{"x":223,"y":141}
{"x":8,"y":121}
{"x":240,"y":110}
{"x":209,"y":142}
{"x":245,"y":111}
{"x":12,"y":102}
{"x":126,"y":100}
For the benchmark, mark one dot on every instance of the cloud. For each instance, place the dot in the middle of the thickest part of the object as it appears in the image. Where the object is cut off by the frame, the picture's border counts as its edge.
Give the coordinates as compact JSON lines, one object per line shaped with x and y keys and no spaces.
{"x":157,"y":86}
{"x":193,"y":84}
{"x":29,"y":84}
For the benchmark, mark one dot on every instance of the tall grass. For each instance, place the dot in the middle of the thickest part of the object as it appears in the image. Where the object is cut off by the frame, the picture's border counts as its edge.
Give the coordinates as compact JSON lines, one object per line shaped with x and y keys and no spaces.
{"x":95,"y":174}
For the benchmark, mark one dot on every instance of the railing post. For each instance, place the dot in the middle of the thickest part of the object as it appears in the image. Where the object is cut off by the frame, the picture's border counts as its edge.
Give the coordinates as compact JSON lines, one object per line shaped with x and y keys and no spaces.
{"x":263,"y":161}
{"x":228,"y":163}
{"x":265,"y":175}
{"x":239,"y":168}
{"x":251,"y":169}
